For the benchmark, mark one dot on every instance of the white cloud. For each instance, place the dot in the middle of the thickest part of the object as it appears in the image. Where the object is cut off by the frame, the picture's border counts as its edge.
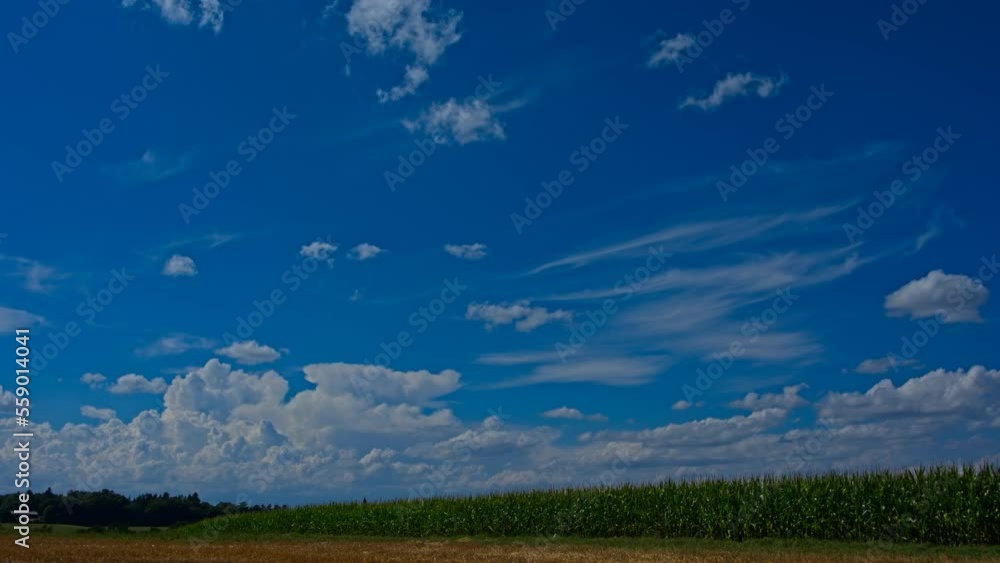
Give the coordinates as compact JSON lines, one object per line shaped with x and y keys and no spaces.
{"x":37,"y":276}
{"x":474,"y":251}
{"x":615,"y":371}
{"x":736,"y":85}
{"x":178,"y":265}
{"x":318,"y":250}
{"x":174,"y":344}
{"x":693,"y":307}
{"x":670,"y":50}
{"x":364,"y":430}
{"x":219,"y":391}
{"x":412,"y":79}
{"x":7,"y":399}
{"x":13,"y":319}
{"x":685,"y":405}
{"x":954,"y":298}
{"x":573,"y":414}
{"x":453,"y":122}
{"x":517,"y":358}
{"x":131,"y":384}
{"x":100,"y":414}
{"x":364,"y":251}
{"x":521,"y":314}
{"x":376,"y":459}
{"x":961,"y":394}
{"x":405,"y":25}
{"x":882,"y":365}
{"x":695,"y":237}
{"x":94,"y":380}
{"x":180,"y":12}
{"x":788,"y":399}
{"x":212,"y":15}
{"x":382,"y":384}
{"x":701,"y":432}
{"x":249,"y":352}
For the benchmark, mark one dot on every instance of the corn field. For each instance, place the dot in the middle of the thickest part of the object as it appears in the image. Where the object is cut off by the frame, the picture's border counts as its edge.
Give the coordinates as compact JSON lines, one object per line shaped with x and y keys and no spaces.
{"x":943,"y":505}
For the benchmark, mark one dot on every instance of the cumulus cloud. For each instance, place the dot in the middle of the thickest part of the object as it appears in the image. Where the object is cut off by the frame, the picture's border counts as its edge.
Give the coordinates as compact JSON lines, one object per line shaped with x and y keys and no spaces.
{"x":404,"y":25}
{"x":6,"y":398}
{"x":788,"y":399}
{"x":94,"y":380}
{"x":178,"y":265}
{"x":131,"y":384}
{"x":573,"y":414}
{"x":458,"y":122}
{"x":733,"y":85}
{"x":220,"y":391}
{"x":361,"y":429}
{"x":521,"y":314}
{"x":364,"y":251}
{"x":94,"y":412}
{"x":670,"y":50}
{"x":475,"y":251}
{"x":249,"y":352}
{"x":318,"y":250}
{"x":971,"y":394}
{"x":376,"y":459}
{"x":953,"y":298}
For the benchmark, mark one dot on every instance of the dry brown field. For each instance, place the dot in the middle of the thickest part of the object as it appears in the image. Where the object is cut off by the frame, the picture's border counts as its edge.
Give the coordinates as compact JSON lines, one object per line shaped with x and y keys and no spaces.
{"x":57,"y":549}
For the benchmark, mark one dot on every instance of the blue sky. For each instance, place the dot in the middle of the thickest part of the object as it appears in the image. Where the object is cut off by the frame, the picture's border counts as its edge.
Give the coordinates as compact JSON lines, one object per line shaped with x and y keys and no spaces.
{"x":385,"y":166}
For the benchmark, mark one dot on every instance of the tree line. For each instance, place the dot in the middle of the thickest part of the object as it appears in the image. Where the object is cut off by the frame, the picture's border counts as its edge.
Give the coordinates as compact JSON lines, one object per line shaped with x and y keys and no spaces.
{"x":110,"y":509}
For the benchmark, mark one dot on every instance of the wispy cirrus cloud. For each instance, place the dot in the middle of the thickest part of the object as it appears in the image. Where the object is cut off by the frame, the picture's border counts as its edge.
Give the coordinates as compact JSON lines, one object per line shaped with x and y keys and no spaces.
{"x":670,"y":50}
{"x":734,"y":85}
{"x":883,"y":365}
{"x":174,"y":344}
{"x":36,"y":277}
{"x":697,"y":237}
{"x":616,"y":371}
{"x":13,"y":319}
{"x":568,"y":413}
